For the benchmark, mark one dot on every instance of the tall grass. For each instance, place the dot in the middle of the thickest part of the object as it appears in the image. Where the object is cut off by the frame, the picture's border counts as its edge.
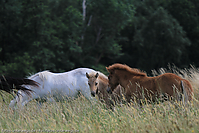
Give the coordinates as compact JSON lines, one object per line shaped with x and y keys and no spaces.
{"x":83,"y":116}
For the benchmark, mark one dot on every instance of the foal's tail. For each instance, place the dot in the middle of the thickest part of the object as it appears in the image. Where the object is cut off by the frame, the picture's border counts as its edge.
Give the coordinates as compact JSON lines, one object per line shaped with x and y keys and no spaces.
{"x":184,"y":96}
{"x":187,"y":91}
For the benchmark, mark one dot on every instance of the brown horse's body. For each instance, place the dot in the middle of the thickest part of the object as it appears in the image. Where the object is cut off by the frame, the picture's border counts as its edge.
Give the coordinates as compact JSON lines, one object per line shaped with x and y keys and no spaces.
{"x":98,"y":84}
{"x":138,"y":85}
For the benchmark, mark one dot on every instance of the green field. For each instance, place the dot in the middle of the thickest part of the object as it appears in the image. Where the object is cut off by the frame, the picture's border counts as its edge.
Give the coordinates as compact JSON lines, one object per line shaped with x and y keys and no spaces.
{"x":80,"y":115}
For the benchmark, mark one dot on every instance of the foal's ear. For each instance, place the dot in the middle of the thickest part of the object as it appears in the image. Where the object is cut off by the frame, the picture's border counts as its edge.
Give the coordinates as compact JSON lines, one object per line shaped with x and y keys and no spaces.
{"x":87,"y":75}
{"x":111,"y":71}
{"x":107,"y":69}
{"x":97,"y":74}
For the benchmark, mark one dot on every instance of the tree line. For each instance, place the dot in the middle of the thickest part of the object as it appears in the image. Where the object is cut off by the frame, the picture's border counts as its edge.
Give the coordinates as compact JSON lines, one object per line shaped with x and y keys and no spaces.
{"x":60,"y":35}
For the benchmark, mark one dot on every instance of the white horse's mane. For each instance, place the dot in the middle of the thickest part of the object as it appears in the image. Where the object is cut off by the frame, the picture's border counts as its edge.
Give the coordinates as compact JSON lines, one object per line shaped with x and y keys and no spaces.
{"x":43,"y":75}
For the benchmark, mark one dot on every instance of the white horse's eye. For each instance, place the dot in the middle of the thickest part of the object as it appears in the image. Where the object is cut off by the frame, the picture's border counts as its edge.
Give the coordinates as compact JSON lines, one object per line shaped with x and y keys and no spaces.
{"x":88,"y":83}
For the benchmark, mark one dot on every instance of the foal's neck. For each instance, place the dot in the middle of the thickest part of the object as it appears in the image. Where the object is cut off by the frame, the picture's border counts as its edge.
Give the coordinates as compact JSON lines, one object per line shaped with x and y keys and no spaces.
{"x":103,"y":83}
{"x":126,"y":77}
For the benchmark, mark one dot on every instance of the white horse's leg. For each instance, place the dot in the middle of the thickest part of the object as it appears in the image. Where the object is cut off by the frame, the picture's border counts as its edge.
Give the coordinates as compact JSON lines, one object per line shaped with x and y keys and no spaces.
{"x":22,"y":99}
{"x":13,"y":103}
{"x":17,"y":100}
{"x":51,"y":99}
{"x":87,"y":95}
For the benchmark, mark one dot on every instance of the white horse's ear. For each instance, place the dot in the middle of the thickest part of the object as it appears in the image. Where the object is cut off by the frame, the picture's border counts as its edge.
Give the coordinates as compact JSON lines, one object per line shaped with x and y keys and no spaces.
{"x":97,"y":74}
{"x":87,"y":75}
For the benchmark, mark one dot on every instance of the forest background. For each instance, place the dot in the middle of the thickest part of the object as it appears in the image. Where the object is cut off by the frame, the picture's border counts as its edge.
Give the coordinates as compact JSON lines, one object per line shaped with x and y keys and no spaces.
{"x":61,"y":35}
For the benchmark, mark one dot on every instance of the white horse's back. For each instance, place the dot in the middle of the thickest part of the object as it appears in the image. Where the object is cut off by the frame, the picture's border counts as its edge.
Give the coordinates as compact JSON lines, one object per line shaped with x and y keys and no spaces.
{"x":57,"y":85}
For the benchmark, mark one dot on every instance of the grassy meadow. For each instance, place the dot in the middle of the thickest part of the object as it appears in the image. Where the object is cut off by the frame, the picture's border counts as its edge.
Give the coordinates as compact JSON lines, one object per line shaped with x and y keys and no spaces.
{"x":80,"y":115}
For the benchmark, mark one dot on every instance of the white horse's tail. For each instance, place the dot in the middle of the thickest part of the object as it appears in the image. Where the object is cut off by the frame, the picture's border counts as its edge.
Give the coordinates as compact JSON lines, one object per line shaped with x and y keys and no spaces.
{"x":9,"y":84}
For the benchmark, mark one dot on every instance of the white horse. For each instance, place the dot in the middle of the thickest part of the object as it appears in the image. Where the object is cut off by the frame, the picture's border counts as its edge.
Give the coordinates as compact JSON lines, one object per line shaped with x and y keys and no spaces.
{"x":56,"y":86}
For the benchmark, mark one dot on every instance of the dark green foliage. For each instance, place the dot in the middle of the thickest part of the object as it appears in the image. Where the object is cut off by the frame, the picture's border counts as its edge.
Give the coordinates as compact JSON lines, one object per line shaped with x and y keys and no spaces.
{"x":19,"y":67}
{"x":186,"y":13}
{"x":60,"y":35}
{"x":154,"y":38}
{"x":104,"y":21}
{"x":160,"y":41}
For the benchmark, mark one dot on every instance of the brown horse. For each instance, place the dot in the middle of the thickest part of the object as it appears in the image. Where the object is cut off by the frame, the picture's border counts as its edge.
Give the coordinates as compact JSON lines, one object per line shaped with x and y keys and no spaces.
{"x":137,"y":85}
{"x":98,"y":84}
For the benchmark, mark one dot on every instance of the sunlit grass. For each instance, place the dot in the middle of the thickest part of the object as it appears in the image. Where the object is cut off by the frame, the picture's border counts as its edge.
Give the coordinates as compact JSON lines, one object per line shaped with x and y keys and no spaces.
{"x":81,"y":115}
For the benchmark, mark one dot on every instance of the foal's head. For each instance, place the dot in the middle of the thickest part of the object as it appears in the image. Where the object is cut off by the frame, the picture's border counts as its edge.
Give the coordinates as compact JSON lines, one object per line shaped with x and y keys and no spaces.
{"x":117,"y":71}
{"x":93,"y":83}
{"x":113,"y":80}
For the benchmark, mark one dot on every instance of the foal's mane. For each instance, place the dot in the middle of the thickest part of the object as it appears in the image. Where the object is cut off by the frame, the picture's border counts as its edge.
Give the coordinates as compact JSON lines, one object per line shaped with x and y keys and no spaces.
{"x":135,"y":71}
{"x":103,"y":77}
